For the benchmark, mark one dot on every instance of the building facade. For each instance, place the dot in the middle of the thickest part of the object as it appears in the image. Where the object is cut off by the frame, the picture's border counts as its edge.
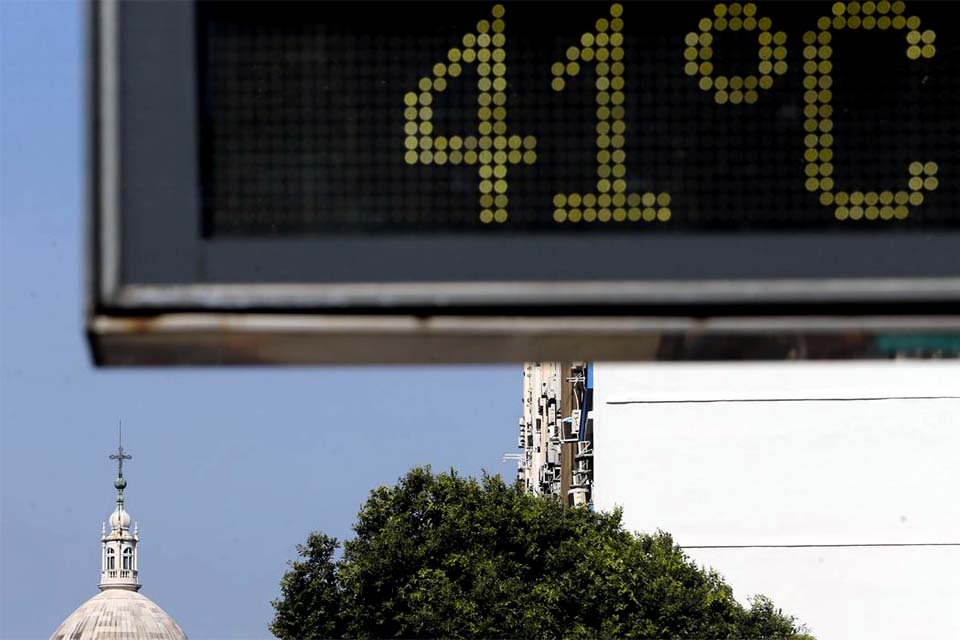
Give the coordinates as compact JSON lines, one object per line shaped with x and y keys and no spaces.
{"x":556,"y":431}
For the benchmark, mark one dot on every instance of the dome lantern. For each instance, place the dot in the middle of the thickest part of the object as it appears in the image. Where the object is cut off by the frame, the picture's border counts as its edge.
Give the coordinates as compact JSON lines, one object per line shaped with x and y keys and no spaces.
{"x":119,"y":612}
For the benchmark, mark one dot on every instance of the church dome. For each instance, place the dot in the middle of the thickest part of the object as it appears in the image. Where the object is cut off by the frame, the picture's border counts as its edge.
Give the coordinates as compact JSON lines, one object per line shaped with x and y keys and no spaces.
{"x":119,"y":519}
{"x":119,"y":614}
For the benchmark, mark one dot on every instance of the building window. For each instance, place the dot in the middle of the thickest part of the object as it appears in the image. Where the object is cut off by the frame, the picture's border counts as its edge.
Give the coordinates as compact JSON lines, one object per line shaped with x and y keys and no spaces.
{"x":128,"y":558}
{"x":111,"y":560}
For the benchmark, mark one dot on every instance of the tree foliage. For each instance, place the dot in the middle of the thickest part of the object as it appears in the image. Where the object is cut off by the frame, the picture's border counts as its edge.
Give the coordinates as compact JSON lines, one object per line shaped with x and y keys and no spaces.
{"x":446,"y":556}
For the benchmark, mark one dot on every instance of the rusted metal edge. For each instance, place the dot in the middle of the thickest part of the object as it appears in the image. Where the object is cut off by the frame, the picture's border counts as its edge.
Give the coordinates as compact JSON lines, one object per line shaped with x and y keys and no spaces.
{"x":301,"y":339}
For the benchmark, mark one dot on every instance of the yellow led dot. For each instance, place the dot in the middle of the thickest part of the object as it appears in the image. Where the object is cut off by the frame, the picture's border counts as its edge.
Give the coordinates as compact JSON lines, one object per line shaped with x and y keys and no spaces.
{"x":915,"y":183}
{"x":750,"y":96}
{"x":812,"y":184}
{"x":574,"y":215}
{"x":735,"y":24}
{"x":634,"y":214}
{"x":931,"y":183}
{"x":619,"y":214}
{"x":498,"y":40}
{"x":916,"y":198}
{"x":456,"y":157}
{"x":841,"y":213}
{"x":871,"y":213}
{"x":483,"y":55}
{"x":886,"y":213}
{"x":649,"y":214}
{"x":826,"y":184}
{"x":898,"y":22}
{"x":663,"y":214}
{"x":853,"y":22}
{"x":648,"y":199}
{"x":497,"y":26}
{"x":691,"y":68}
{"x":589,"y":215}
{"x":557,"y":84}
{"x":426,"y":156}
{"x":883,"y":22}
{"x":720,"y":24}
{"x":486,"y":216}
{"x":469,"y":40}
{"x":856,"y":197}
{"x":913,"y":22}
{"x":721,"y":97}
{"x":573,"y":68}
{"x":559,"y":215}
{"x":826,"y":198}
{"x":883,"y":6}
{"x":440,"y":157}
{"x":914,"y":52}
{"x":469,"y":55}
{"x":916,"y":168}
{"x":928,"y":36}
{"x":500,"y":215}
{"x":869,"y":22}
{"x":913,"y":37}
{"x":808,"y":38}
{"x":901,"y":212}
{"x":706,"y":83}
{"x":856,"y":213}
{"x":483,"y":26}
{"x":766,"y":82}
{"x":736,"y":97}
{"x":928,"y":51}
{"x":604,"y":39}
{"x":411,"y":157}
{"x":749,"y":9}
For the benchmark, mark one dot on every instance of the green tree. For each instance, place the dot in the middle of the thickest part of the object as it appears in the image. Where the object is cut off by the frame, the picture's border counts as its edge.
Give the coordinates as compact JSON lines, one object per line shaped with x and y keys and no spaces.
{"x":446,"y":556}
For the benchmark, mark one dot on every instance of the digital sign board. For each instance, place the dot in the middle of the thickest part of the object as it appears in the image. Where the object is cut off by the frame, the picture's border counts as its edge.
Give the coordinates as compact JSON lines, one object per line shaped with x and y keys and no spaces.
{"x":528,"y":161}
{"x":641,"y":117}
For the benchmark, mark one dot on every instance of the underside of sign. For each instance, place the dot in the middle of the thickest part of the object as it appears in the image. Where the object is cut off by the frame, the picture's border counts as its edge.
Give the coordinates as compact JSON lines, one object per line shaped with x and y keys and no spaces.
{"x":295,"y":183}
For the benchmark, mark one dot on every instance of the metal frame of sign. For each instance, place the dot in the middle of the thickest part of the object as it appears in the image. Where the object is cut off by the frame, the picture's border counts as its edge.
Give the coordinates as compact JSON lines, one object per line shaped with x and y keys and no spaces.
{"x":161,"y":294}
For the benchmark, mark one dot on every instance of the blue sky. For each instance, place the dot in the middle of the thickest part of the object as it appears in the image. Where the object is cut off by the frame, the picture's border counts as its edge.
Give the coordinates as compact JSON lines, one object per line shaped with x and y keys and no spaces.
{"x":231,"y":468}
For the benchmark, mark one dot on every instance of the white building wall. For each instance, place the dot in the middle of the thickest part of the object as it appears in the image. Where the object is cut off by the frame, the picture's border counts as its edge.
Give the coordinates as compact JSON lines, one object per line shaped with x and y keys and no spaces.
{"x":797,"y":473}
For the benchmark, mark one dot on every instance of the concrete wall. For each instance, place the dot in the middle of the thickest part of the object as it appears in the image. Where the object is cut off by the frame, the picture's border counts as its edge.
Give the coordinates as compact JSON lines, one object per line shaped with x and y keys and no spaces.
{"x":827,"y":472}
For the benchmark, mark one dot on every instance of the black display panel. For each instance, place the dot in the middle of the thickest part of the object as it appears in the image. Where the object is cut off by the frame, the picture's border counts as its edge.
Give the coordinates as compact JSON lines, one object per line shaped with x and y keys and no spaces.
{"x":320,"y":118}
